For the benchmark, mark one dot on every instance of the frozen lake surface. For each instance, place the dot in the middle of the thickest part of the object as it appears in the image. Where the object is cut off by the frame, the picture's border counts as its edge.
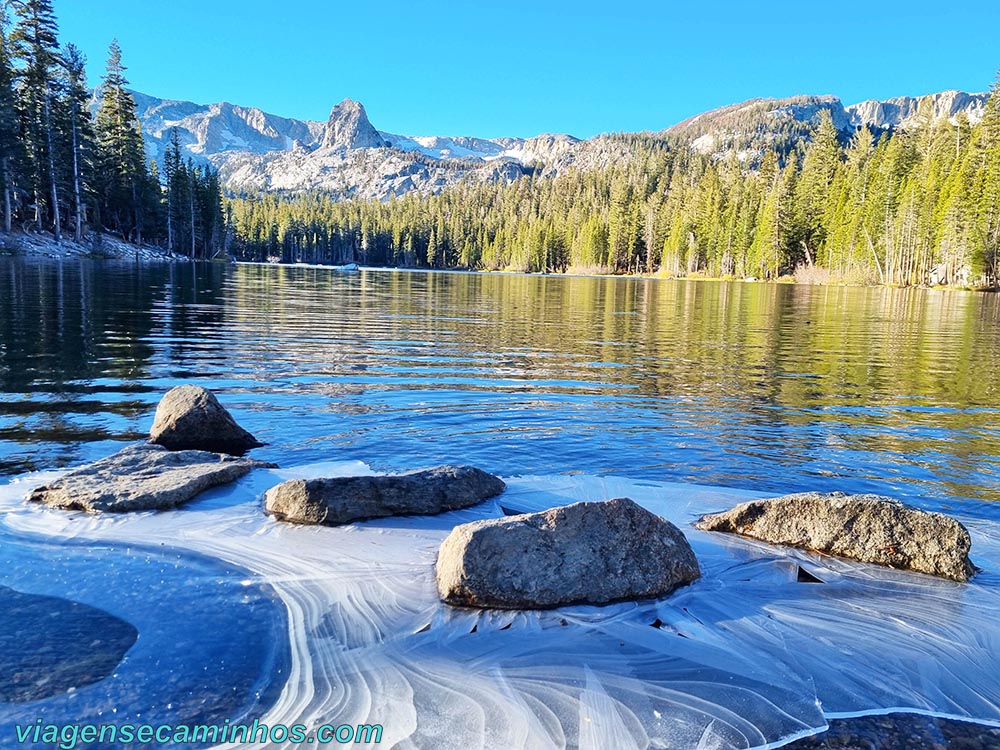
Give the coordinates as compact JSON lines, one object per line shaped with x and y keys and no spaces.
{"x":745,"y":657}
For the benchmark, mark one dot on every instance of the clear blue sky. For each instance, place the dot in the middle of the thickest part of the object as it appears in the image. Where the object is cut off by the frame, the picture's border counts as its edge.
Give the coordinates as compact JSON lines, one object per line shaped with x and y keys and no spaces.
{"x":522,"y":68}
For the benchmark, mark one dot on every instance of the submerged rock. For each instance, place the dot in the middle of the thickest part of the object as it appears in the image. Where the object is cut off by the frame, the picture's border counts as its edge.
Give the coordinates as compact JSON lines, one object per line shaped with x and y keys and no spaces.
{"x":587,"y":553}
{"x":344,"y":499}
{"x":49,"y":645}
{"x":190,"y":417}
{"x":868,"y":528}
{"x":142,"y":477}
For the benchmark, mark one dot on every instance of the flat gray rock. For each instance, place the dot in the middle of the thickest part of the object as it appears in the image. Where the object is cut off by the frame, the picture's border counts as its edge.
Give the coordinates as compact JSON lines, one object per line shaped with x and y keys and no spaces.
{"x":142,"y":477}
{"x":341,"y":500}
{"x":868,"y":528}
{"x":190,"y":417}
{"x":585,"y":553}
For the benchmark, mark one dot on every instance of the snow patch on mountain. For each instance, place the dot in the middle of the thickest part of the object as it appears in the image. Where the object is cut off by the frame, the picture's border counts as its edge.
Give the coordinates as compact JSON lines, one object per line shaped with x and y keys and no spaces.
{"x":205,"y":131}
{"x":453,"y":147}
{"x":378,"y":173}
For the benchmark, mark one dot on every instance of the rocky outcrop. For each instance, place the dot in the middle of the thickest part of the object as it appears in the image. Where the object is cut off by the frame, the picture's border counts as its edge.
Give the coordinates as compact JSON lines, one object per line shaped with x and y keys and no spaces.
{"x":190,"y":417}
{"x":345,"y":157}
{"x":345,"y":499}
{"x":908,"y":112}
{"x":868,"y":528}
{"x":349,"y":128}
{"x":355,"y":174}
{"x":752,"y":127}
{"x":142,"y":477}
{"x":43,"y":245}
{"x":213,"y":131}
{"x":591,"y":553}
{"x":254,"y":150}
{"x":747,"y":130}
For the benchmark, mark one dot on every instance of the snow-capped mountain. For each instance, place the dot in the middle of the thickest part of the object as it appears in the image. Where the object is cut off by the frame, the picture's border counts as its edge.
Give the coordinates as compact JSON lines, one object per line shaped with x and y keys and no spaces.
{"x":207,"y":131}
{"x":348,"y":157}
{"x":345,"y":155}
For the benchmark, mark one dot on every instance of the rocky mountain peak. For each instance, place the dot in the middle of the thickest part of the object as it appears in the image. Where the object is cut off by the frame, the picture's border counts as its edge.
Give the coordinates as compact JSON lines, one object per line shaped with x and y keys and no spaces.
{"x":349,"y":128}
{"x":347,"y":157}
{"x":903,"y":112}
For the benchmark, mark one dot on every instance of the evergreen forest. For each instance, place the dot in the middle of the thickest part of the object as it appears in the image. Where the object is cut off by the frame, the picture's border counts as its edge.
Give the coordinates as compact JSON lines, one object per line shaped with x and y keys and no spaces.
{"x":911,"y":207}
{"x":74,"y":163}
{"x":905,"y":208}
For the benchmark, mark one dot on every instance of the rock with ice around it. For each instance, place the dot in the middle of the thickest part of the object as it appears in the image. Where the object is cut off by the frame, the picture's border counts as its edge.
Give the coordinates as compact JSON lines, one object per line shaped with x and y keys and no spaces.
{"x":341,"y":500}
{"x":586,"y":553}
{"x":142,"y":477}
{"x":868,"y":528}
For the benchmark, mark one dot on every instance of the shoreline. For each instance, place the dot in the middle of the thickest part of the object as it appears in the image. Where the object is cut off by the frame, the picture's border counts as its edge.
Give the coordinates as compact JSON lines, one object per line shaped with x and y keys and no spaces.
{"x":658,"y":276}
{"x":44,"y":245}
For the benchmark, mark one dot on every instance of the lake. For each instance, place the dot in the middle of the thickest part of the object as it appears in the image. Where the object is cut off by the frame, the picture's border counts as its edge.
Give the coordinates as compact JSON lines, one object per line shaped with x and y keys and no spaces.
{"x":767,"y":387}
{"x":686,"y":396}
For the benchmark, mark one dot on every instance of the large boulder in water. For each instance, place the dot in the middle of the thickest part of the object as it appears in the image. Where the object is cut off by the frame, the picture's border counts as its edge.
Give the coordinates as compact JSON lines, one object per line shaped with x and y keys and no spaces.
{"x":190,"y":417}
{"x":868,"y":528}
{"x":586,"y":553}
{"x":342,"y":500}
{"x":142,"y":477}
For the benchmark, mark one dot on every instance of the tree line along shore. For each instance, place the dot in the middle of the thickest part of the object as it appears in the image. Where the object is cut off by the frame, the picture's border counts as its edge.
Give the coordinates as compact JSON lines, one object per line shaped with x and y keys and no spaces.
{"x":78,"y":173}
{"x":917,"y":207}
{"x":913,"y":207}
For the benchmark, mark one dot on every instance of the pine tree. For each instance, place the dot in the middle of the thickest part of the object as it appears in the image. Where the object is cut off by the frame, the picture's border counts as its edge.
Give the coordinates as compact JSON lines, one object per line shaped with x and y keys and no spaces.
{"x":81,"y":135}
{"x":812,"y":190}
{"x":191,"y":189}
{"x":35,"y":46}
{"x":846,"y":246}
{"x":620,"y":231}
{"x":171,"y":165}
{"x":769,"y":252}
{"x":210,"y":207}
{"x":988,"y":208}
{"x":10,"y":143}
{"x":886,"y":212}
{"x":122,"y":162}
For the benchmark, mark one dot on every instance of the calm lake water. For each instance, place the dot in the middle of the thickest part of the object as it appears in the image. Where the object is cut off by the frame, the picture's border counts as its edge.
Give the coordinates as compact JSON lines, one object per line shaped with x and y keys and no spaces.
{"x":759,"y":387}
{"x":766,"y":387}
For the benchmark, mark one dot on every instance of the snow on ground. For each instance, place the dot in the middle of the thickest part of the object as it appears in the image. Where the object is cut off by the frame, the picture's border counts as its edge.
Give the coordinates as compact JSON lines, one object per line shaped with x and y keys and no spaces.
{"x":447,"y":147}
